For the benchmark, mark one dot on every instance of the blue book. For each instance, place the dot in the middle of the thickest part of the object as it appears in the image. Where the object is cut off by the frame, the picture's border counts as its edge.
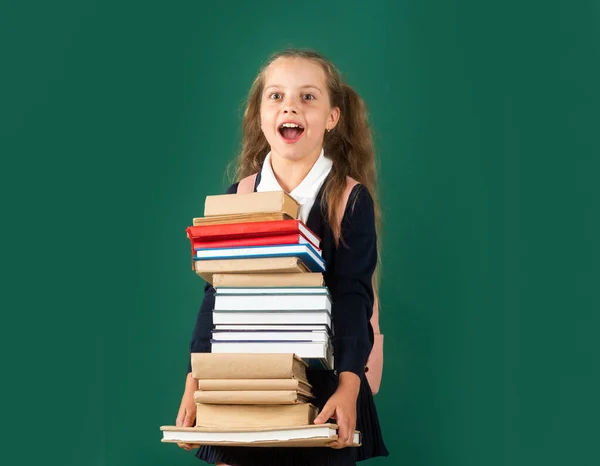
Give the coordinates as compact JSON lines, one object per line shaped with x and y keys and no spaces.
{"x":305,"y":252}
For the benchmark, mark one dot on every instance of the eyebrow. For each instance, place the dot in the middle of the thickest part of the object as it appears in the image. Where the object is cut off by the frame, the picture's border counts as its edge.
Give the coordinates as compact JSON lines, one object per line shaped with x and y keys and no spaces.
{"x":307,"y":86}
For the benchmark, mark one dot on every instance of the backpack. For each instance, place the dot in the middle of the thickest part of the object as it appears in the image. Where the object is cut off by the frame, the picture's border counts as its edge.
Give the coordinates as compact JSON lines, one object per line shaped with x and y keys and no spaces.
{"x":374,"y":367}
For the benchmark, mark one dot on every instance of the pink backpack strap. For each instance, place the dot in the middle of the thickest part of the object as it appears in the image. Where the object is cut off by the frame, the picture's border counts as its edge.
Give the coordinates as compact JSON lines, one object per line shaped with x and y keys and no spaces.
{"x":374,"y":368}
{"x":246,"y":185}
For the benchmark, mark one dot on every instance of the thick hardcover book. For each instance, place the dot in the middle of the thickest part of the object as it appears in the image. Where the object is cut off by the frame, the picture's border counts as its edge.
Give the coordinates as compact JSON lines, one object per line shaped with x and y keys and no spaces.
{"x":252,"y":397}
{"x":258,"y":335}
{"x":272,"y":302}
{"x":247,"y":366}
{"x":254,"y":241}
{"x":240,"y":218}
{"x":305,"y":252}
{"x":254,"y":384}
{"x":268,"y":280}
{"x":315,"y":435}
{"x":270,"y":290}
{"x":274,"y":328}
{"x":271,"y":265}
{"x":240,"y":416}
{"x":272,"y":317}
{"x":251,"y":203}
{"x":230,"y":231}
{"x":316,"y":354}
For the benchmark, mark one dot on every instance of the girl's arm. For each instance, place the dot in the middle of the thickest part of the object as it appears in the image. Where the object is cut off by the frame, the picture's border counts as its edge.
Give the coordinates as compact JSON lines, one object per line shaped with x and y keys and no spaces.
{"x":352,"y":293}
{"x":351,"y":285}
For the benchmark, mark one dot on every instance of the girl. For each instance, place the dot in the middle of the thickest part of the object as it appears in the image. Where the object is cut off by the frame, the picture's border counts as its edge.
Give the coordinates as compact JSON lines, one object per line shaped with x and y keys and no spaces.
{"x":305,"y":131}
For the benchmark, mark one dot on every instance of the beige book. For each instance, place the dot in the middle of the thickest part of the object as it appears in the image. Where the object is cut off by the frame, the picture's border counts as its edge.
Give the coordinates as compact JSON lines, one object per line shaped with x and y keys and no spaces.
{"x":268,"y":279}
{"x":255,"y":397}
{"x":240,"y":218}
{"x":254,"y":384}
{"x":247,"y":366}
{"x":232,"y":416}
{"x":315,"y":435}
{"x":206,"y":268}
{"x":251,"y":203}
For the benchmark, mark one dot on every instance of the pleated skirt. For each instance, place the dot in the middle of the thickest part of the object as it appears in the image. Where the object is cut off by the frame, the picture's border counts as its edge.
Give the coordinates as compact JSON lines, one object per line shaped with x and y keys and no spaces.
{"x":324,"y":385}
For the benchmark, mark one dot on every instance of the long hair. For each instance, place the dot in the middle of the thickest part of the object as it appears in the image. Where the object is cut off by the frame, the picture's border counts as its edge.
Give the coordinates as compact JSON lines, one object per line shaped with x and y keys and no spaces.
{"x":349,"y":145}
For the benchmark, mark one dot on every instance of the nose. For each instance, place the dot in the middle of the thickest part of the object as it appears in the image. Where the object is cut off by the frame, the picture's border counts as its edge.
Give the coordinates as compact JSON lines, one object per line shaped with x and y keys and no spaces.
{"x":290,"y":105}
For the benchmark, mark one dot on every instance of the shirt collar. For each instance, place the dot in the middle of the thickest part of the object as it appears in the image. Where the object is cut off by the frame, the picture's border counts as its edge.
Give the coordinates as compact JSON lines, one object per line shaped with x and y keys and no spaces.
{"x":308,"y":188}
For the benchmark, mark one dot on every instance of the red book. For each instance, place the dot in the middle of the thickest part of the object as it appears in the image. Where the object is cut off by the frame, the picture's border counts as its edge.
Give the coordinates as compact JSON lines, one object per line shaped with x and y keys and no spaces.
{"x":230,"y":231}
{"x":252,"y":241}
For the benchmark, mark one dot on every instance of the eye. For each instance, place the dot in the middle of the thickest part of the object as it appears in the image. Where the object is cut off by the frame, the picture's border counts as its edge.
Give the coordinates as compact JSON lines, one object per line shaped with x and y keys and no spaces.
{"x":275,"y":95}
{"x":308,"y":97}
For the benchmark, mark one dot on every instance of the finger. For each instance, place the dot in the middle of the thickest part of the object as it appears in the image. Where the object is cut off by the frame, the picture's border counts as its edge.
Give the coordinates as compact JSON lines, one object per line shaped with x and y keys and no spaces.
{"x":335,"y":445}
{"x":342,"y":431}
{"x":326,"y":413}
{"x":180,"y":417}
{"x":345,"y":432}
{"x":189,"y":419}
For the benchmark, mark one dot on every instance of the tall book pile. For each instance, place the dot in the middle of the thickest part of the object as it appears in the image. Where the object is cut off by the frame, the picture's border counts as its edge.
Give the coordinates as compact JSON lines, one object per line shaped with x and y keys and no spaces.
{"x":266,"y":267}
{"x":271,"y":320}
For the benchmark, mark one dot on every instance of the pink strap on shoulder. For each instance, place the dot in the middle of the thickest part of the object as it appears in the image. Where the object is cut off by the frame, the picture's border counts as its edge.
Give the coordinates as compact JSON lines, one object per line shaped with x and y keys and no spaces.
{"x":246,"y":185}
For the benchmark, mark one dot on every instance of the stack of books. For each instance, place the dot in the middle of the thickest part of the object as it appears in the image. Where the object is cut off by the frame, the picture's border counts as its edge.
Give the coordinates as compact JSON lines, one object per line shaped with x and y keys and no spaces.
{"x":252,"y":390}
{"x":272,"y":320}
{"x":266,"y":267}
{"x":253,"y":400}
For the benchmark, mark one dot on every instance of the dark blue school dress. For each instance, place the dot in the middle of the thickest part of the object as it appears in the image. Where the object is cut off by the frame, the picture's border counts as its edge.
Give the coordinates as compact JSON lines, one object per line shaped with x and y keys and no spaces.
{"x":348,"y":277}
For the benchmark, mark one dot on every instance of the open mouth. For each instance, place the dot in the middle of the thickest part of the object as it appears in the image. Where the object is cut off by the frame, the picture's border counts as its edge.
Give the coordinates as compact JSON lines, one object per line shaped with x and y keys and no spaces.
{"x":291,"y":132}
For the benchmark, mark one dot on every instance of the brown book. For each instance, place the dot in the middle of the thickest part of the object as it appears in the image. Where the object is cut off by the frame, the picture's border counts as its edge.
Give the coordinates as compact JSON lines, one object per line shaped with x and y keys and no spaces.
{"x":206,"y":268}
{"x":251,"y":203}
{"x":254,"y":384}
{"x":253,"y":397}
{"x":247,"y":366}
{"x":233,"y":416}
{"x":240,"y":218}
{"x":268,"y":279}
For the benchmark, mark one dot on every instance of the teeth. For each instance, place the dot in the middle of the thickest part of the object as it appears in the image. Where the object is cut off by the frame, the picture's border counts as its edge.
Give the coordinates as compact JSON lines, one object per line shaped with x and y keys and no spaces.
{"x":290,"y":125}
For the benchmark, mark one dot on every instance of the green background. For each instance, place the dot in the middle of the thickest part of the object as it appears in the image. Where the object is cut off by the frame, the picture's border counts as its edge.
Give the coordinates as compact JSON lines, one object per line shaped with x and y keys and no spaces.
{"x":119,"y":117}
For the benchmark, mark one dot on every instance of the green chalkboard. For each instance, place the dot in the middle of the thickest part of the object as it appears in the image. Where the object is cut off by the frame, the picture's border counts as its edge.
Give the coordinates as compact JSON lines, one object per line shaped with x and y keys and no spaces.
{"x":118,"y":118}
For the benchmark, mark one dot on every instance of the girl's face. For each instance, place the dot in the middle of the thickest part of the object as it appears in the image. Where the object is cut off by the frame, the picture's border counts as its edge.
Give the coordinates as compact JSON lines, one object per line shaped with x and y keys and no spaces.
{"x":295,"y":111}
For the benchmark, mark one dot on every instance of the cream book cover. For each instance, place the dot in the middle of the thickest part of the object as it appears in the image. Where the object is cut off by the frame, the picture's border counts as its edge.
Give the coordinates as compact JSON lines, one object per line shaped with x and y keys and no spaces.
{"x":251,"y":203}
{"x":252,"y":397}
{"x":247,"y":366}
{"x":240,"y":416}
{"x":316,"y":435}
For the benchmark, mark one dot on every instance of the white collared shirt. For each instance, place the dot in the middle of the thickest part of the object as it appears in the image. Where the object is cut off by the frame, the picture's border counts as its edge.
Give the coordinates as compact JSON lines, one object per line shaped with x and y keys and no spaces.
{"x":306,"y":192}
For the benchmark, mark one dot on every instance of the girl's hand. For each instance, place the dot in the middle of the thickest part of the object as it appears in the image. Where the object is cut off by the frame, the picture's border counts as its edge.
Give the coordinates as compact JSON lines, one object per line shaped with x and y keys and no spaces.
{"x":341,"y":406}
{"x":187,"y":411}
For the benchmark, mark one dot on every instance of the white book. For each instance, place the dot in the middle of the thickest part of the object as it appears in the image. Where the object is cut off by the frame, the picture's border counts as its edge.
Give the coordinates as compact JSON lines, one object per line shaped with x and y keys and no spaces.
{"x":313,"y":290}
{"x":241,"y":335}
{"x":306,"y":350}
{"x":310,"y":435}
{"x":224,"y":302}
{"x":252,"y":327}
{"x":286,"y":317}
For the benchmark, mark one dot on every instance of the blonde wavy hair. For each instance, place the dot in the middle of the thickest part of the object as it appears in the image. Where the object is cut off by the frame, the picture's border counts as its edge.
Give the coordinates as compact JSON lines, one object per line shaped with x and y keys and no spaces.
{"x":349,"y":145}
